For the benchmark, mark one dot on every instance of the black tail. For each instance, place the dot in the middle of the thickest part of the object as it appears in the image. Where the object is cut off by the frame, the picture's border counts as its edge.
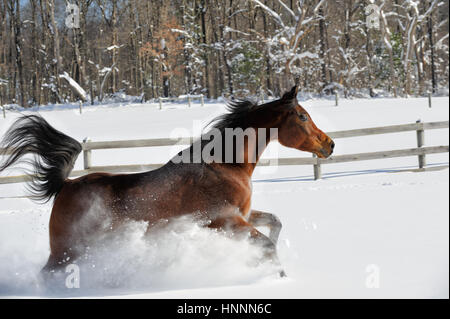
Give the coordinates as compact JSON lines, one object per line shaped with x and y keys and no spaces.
{"x":54,"y":154}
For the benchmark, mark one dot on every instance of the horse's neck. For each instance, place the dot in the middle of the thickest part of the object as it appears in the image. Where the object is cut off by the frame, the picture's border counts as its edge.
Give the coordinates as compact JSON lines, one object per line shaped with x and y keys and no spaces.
{"x":253,"y":150}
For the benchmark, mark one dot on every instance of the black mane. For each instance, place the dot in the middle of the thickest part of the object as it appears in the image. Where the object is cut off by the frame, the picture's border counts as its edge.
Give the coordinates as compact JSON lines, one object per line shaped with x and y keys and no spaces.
{"x":241,"y":112}
{"x":239,"y":115}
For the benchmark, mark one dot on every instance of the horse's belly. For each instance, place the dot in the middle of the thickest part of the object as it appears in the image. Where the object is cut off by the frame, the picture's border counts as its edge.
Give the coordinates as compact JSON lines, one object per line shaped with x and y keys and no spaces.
{"x":159,"y":206}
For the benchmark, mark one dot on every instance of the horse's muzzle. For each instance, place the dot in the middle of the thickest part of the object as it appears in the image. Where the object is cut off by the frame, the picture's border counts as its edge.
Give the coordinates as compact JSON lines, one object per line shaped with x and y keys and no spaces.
{"x":328,"y":149}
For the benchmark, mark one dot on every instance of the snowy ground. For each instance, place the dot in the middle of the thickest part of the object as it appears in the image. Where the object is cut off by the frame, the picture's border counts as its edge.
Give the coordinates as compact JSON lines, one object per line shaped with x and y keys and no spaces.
{"x":361,"y":223}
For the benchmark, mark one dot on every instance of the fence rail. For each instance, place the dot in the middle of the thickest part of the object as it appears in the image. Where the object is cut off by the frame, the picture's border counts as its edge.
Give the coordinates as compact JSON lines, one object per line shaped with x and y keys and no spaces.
{"x":420,"y":151}
{"x":188,"y":97}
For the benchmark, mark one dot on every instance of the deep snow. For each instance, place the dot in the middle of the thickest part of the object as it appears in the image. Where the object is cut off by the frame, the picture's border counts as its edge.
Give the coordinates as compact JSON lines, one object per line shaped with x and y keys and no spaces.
{"x":360,"y":220}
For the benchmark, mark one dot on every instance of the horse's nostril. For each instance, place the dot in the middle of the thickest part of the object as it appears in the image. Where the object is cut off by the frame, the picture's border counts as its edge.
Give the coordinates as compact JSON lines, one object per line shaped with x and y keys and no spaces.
{"x":332,"y":145}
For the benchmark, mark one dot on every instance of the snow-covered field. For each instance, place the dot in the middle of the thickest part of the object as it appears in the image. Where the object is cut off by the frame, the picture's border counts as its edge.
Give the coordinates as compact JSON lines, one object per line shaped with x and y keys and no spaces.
{"x":363,"y":231}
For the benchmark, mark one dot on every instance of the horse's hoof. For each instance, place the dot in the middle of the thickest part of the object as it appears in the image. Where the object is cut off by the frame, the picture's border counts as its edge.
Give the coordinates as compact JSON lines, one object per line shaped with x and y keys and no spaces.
{"x":282,"y":274}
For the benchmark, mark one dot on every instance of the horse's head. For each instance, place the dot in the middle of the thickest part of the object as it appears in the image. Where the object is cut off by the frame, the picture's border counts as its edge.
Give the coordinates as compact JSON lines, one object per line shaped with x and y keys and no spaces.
{"x":297,"y":130}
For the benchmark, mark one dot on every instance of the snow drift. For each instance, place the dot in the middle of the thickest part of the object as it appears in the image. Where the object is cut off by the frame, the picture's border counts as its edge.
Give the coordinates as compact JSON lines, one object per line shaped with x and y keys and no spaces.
{"x":176,"y":254}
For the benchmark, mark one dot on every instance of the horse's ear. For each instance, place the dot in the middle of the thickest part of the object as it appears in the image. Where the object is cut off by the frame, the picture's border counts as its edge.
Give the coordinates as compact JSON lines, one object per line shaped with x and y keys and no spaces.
{"x":291,"y":95}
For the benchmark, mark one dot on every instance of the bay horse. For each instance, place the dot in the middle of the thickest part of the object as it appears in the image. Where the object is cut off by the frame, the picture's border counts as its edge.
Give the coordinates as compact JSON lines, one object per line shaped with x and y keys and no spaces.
{"x":220,"y":191}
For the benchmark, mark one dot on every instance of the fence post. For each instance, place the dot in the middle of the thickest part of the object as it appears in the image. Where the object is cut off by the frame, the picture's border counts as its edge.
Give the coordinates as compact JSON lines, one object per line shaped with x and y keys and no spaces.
{"x":336,"y":97}
{"x":87,"y":155}
{"x":420,"y":143}
{"x":189,"y":100}
{"x":81,"y":107}
{"x":317,"y":169}
{"x":160,"y":103}
{"x":202,"y":100}
{"x":429,"y":100}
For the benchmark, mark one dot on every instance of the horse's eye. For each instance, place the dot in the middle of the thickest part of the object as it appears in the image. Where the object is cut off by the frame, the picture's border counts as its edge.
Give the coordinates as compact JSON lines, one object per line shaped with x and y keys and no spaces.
{"x":303,"y":117}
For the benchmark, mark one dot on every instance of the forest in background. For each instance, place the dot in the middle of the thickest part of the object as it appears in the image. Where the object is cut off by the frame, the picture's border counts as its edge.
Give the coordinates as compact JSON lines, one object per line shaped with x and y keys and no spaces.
{"x":54,"y":52}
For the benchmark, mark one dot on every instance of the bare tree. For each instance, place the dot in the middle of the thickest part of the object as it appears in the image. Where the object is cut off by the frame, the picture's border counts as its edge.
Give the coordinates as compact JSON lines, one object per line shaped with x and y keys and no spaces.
{"x":284,"y":46}
{"x":413,"y":19}
{"x":223,"y":47}
{"x":13,"y":7}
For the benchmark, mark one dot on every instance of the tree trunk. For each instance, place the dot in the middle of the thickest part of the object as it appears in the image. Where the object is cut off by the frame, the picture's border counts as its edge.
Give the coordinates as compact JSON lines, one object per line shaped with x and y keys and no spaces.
{"x":202,"y":9}
{"x":369,"y":60}
{"x":115,"y":46}
{"x":14,"y":8}
{"x":35,"y":80}
{"x":269,"y":85}
{"x":433,"y":63}
{"x":57,"y":66}
{"x":347,"y":39}
{"x":323,"y":50}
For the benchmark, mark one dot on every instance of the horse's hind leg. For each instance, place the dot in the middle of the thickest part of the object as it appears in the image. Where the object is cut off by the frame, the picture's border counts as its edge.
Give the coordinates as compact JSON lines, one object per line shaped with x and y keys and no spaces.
{"x":53,"y":264}
{"x":262,"y":219}
{"x":52,"y":274}
{"x":240,"y":226}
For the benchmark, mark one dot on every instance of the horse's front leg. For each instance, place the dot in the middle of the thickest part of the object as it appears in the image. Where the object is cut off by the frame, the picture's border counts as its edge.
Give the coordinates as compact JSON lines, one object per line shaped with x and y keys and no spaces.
{"x":262,"y":219}
{"x":239,"y":226}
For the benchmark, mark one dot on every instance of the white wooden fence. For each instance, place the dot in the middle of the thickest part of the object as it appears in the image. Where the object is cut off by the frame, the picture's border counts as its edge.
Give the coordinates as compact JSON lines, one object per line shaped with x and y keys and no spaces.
{"x":188,"y":97}
{"x":420,"y":151}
